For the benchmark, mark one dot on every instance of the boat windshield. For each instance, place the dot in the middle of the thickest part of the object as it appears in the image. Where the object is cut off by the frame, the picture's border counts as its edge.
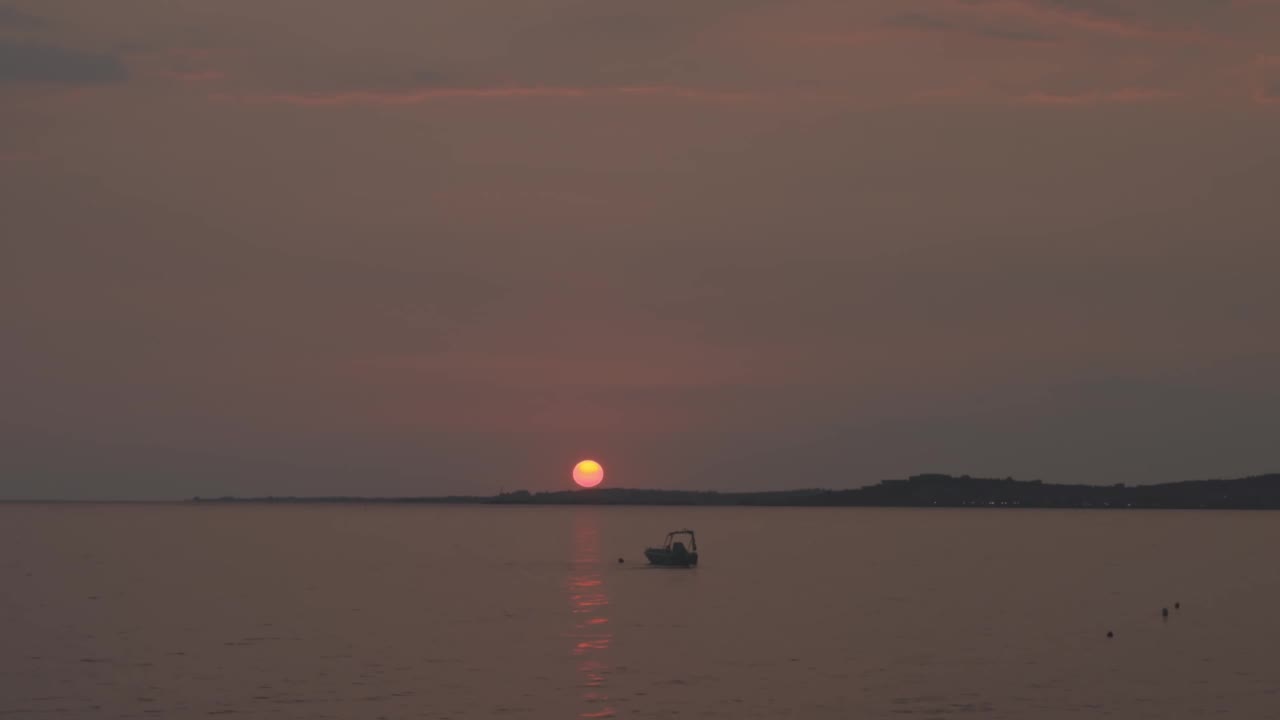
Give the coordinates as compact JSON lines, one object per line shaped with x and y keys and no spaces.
{"x":683,"y":537}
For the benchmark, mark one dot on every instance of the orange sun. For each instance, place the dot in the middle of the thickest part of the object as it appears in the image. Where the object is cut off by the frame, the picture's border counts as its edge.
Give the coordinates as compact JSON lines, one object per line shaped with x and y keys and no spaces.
{"x":588,"y":473}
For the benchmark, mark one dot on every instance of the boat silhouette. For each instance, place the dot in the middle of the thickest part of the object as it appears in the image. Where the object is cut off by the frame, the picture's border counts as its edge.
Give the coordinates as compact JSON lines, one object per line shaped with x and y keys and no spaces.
{"x":674,"y":553}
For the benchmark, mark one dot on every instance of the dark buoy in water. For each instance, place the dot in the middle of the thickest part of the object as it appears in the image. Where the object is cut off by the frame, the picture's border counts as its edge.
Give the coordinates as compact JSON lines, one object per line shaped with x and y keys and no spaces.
{"x":619,"y":561}
{"x":1110,"y":634}
{"x":1164,"y":612}
{"x":1177,"y":606}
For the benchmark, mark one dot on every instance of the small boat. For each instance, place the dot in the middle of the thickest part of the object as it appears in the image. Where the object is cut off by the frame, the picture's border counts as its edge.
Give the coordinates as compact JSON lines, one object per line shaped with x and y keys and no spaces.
{"x":673,"y":552}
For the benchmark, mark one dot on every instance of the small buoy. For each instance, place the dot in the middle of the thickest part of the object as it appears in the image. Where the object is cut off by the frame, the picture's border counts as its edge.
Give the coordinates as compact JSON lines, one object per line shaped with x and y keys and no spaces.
{"x":1164,"y":612}
{"x":1177,"y":606}
{"x":1110,"y":634}
{"x":619,"y":561}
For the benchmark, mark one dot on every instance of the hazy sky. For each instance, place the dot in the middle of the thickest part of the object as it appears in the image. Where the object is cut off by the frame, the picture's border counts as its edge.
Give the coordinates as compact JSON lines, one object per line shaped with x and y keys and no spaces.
{"x":418,"y":247}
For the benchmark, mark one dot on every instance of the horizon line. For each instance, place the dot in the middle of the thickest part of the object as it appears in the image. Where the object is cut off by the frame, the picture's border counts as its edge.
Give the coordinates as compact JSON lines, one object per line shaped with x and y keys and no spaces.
{"x":463,"y":498}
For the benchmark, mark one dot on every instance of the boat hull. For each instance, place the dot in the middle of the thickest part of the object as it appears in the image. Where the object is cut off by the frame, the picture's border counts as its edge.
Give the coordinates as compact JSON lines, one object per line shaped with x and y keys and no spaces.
{"x":666,"y":558}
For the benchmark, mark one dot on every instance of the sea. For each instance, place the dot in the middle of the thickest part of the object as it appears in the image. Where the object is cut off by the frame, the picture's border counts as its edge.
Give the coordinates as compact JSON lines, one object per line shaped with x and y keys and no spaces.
{"x":358,"y":611}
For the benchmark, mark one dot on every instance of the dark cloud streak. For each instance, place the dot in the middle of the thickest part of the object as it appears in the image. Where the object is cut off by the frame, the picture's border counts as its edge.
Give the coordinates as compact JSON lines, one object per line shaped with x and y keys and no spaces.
{"x":31,"y":63}
{"x":930,"y":23}
{"x":18,"y":20}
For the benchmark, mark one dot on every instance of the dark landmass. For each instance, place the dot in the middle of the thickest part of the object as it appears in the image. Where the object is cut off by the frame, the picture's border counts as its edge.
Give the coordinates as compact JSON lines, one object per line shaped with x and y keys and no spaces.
{"x":1261,"y":492}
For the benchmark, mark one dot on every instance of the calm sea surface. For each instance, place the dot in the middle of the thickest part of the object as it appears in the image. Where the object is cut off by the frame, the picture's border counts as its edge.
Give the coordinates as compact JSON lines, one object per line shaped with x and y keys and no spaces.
{"x":363,"y":611}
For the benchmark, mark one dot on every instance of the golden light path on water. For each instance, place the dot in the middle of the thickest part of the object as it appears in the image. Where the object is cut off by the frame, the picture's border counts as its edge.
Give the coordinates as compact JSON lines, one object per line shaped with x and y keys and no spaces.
{"x":589,"y":603}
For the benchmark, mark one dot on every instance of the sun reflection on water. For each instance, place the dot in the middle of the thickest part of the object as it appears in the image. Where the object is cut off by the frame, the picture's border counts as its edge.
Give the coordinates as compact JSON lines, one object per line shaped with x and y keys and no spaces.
{"x":589,"y":602}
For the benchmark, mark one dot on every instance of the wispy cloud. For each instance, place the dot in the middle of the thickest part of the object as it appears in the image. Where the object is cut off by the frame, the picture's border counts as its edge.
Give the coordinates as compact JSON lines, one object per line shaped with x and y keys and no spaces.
{"x":959,"y":93}
{"x":632,"y":364}
{"x":1047,"y":53}
{"x":1106,"y":97}
{"x":1026,"y":22}
{"x":439,"y":94}
{"x":908,"y":27}
{"x":920,"y":22}
{"x":192,"y":65}
{"x":1053,"y":14}
{"x":194,"y":76}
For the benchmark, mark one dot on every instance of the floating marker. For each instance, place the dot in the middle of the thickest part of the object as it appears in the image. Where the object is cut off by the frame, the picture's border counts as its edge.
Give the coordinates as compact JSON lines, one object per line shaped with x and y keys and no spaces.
{"x":1164,"y":612}
{"x":1110,"y":634}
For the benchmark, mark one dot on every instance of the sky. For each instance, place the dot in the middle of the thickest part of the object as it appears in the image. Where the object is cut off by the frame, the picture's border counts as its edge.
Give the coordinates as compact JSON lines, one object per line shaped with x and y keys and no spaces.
{"x":411,"y":247}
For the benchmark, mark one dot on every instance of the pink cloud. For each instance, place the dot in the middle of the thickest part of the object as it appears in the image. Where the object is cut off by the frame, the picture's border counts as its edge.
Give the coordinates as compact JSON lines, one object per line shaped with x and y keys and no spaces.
{"x":963,"y":92}
{"x":890,"y":34}
{"x":513,"y":388}
{"x":1266,"y":82}
{"x":1042,"y":14}
{"x":1124,"y":95}
{"x":187,"y":65}
{"x":677,"y":366}
{"x":194,"y":76}
{"x":427,"y":95}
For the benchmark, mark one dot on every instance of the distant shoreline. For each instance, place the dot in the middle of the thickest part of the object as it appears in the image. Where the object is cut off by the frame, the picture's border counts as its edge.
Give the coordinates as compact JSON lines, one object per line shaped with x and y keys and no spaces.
{"x":1261,"y":492}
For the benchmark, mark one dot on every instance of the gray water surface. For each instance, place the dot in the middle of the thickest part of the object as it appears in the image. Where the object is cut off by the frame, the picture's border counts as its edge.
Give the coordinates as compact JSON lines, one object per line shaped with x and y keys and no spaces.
{"x":384,"y":611}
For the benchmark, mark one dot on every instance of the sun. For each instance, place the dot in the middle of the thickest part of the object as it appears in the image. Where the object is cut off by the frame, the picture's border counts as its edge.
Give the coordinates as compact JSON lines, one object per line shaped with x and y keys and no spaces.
{"x":588,"y":473}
